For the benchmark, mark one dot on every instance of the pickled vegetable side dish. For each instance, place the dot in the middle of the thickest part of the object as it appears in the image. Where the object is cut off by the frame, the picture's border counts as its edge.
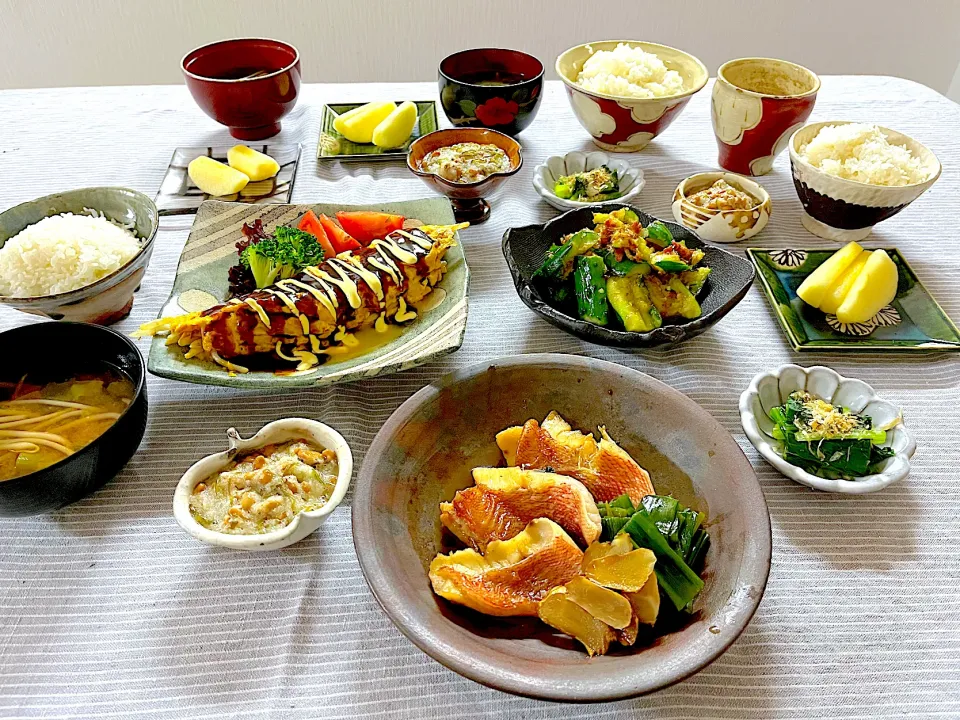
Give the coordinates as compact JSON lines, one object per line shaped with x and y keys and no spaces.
{"x":265,"y":489}
{"x":828,"y":441}
{"x":623,"y":275}
{"x":594,"y":185}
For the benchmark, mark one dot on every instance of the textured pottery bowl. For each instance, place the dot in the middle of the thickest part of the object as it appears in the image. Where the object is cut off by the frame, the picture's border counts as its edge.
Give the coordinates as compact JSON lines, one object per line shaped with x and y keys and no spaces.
{"x":54,"y":352}
{"x":770,"y":389}
{"x":545,"y":177}
{"x":247,"y":84}
{"x":491,"y":87}
{"x":722,"y":226}
{"x":467,"y":199}
{"x":756,"y":106}
{"x":525,"y":247}
{"x":278,"y":431}
{"x":628,"y":124}
{"x":423,"y":455}
{"x":110,"y":298}
{"x":845,"y":210}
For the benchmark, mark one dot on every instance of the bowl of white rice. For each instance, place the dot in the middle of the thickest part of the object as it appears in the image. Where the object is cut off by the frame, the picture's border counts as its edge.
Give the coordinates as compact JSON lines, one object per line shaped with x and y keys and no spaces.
{"x":78,"y":255}
{"x":850,"y":176}
{"x":626,"y":92}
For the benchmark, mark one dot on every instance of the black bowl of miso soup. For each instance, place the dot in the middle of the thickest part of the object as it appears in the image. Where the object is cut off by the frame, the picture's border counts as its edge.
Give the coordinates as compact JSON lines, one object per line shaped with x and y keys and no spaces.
{"x":73,"y":410}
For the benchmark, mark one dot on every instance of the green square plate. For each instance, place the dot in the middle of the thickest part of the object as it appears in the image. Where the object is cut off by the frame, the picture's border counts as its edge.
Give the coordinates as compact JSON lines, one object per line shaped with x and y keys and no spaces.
{"x":201,"y":281}
{"x":913,"y":322}
{"x":333,"y":146}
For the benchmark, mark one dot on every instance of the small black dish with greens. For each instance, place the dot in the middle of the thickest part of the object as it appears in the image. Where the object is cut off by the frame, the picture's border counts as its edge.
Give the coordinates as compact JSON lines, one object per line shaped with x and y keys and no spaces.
{"x":617,"y":276}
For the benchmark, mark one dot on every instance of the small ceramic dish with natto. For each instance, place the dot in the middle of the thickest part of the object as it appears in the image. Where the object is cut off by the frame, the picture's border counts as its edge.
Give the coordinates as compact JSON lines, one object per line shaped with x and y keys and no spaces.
{"x":826,"y":431}
{"x":722,"y":207}
{"x":578,"y":179}
{"x":267,"y":491}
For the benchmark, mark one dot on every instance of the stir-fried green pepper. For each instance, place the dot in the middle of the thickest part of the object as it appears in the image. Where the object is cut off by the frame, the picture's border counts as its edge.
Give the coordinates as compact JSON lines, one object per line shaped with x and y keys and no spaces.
{"x":590,"y":289}
{"x":630,"y":300}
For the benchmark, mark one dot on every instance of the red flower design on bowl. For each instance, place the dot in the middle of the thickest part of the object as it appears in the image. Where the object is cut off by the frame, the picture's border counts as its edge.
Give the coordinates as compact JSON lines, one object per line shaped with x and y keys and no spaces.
{"x":497,"y":111}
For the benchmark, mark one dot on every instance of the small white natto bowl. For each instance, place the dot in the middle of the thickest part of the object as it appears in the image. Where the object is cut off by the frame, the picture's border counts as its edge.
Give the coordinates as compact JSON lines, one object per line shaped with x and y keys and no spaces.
{"x":770,"y":389}
{"x":278,"y":431}
{"x":545,"y":177}
{"x":721,"y":226}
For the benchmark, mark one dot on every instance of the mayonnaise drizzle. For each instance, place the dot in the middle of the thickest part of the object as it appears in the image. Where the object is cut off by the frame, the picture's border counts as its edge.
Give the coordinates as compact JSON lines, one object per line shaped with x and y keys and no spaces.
{"x":425,"y":243}
{"x":354,"y":265}
{"x":264,"y":318}
{"x":318,"y":295}
{"x":346,"y":285}
{"x":404,"y":256}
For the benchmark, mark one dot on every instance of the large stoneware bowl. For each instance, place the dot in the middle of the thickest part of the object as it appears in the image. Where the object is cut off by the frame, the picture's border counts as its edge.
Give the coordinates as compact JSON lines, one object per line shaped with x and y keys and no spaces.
{"x":628,"y":124}
{"x":423,"y":455}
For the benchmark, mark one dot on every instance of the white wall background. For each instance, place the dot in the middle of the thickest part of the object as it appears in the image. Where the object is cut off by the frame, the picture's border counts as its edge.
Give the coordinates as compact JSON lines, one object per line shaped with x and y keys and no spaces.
{"x":48,"y":43}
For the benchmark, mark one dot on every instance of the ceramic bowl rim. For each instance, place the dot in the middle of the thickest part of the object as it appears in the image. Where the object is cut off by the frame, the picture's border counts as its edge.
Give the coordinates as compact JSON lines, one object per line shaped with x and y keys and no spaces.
{"x":754,"y":93}
{"x":477,"y":183}
{"x":638,"y":184}
{"x":854,"y":184}
{"x":450,"y":78}
{"x":625,"y":98}
{"x":763,"y":445}
{"x":81,"y":293}
{"x":139,"y":382}
{"x":440,"y":651}
{"x":231,"y":81}
{"x":214,"y":462}
{"x":682,"y":187}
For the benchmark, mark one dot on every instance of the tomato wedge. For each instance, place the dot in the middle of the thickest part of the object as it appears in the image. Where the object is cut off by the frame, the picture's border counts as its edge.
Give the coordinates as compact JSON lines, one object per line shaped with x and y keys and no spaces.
{"x":311,"y":223}
{"x":366,"y":225}
{"x":341,"y":241}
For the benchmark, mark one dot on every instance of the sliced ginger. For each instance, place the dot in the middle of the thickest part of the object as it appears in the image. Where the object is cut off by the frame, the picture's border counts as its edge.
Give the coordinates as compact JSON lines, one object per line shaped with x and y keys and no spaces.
{"x":628,"y":572}
{"x":605,"y":605}
{"x":558,"y":611}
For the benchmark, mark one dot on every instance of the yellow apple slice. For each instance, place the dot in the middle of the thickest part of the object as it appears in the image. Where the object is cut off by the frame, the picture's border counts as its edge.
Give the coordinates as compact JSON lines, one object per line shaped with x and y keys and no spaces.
{"x":358,"y":127}
{"x":255,"y":165}
{"x":214,"y":178}
{"x":395,"y":129}
{"x":875,"y":287}
{"x":834,"y":297}
{"x":815,"y":287}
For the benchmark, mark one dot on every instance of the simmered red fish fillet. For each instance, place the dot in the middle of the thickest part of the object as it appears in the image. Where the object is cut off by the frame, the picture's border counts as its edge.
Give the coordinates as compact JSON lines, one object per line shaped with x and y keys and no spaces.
{"x":504,"y":500}
{"x":513,"y":575}
{"x":605,"y":468}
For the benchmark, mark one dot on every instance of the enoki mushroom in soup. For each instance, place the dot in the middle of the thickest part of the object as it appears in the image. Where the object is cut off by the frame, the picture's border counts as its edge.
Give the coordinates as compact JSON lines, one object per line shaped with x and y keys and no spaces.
{"x":43,"y":424}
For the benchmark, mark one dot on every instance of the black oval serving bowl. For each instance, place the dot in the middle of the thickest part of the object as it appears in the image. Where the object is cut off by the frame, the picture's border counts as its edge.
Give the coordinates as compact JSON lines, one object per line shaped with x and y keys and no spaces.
{"x":525,"y":247}
{"x":53,"y":352}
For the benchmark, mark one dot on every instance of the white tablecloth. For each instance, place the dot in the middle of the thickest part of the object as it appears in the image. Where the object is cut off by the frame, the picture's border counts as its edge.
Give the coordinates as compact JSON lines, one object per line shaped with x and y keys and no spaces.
{"x":108,"y":610}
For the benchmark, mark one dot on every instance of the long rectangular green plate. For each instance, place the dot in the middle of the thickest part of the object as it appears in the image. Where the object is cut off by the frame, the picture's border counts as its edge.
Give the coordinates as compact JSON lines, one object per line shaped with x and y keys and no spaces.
{"x":913,"y":322}
{"x":202,"y":279}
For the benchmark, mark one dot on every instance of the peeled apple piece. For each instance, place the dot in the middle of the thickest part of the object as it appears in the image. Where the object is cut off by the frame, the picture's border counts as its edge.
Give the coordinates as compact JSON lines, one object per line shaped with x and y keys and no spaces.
{"x":215,"y":178}
{"x":875,"y":288}
{"x":255,"y":165}
{"x":815,"y":287}
{"x":358,"y":125}
{"x":395,"y":129}
{"x":836,"y":294}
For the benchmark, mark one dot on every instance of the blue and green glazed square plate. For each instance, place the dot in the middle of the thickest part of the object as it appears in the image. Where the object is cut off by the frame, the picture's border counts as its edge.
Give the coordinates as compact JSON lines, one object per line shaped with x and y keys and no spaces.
{"x":334,"y":146}
{"x":202,"y":281}
{"x":913,"y":322}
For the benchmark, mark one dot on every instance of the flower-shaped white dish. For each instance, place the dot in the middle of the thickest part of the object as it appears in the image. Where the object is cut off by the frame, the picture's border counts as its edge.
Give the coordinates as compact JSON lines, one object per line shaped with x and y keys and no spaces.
{"x":545,"y":177}
{"x":770,"y":389}
{"x":279,"y":431}
{"x":721,"y":226}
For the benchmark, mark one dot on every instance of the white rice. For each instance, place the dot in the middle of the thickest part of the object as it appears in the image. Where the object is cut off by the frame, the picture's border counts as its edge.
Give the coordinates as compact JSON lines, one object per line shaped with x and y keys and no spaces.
{"x":629,"y":72}
{"x":863,"y":154}
{"x":63,"y":253}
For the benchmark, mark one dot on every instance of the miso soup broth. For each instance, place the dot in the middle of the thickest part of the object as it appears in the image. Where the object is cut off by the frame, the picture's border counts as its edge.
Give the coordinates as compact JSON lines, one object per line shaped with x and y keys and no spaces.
{"x":42,"y":423}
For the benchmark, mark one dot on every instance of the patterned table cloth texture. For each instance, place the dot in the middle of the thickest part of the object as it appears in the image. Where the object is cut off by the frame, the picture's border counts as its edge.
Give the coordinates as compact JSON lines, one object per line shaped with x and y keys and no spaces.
{"x":109,"y":610}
